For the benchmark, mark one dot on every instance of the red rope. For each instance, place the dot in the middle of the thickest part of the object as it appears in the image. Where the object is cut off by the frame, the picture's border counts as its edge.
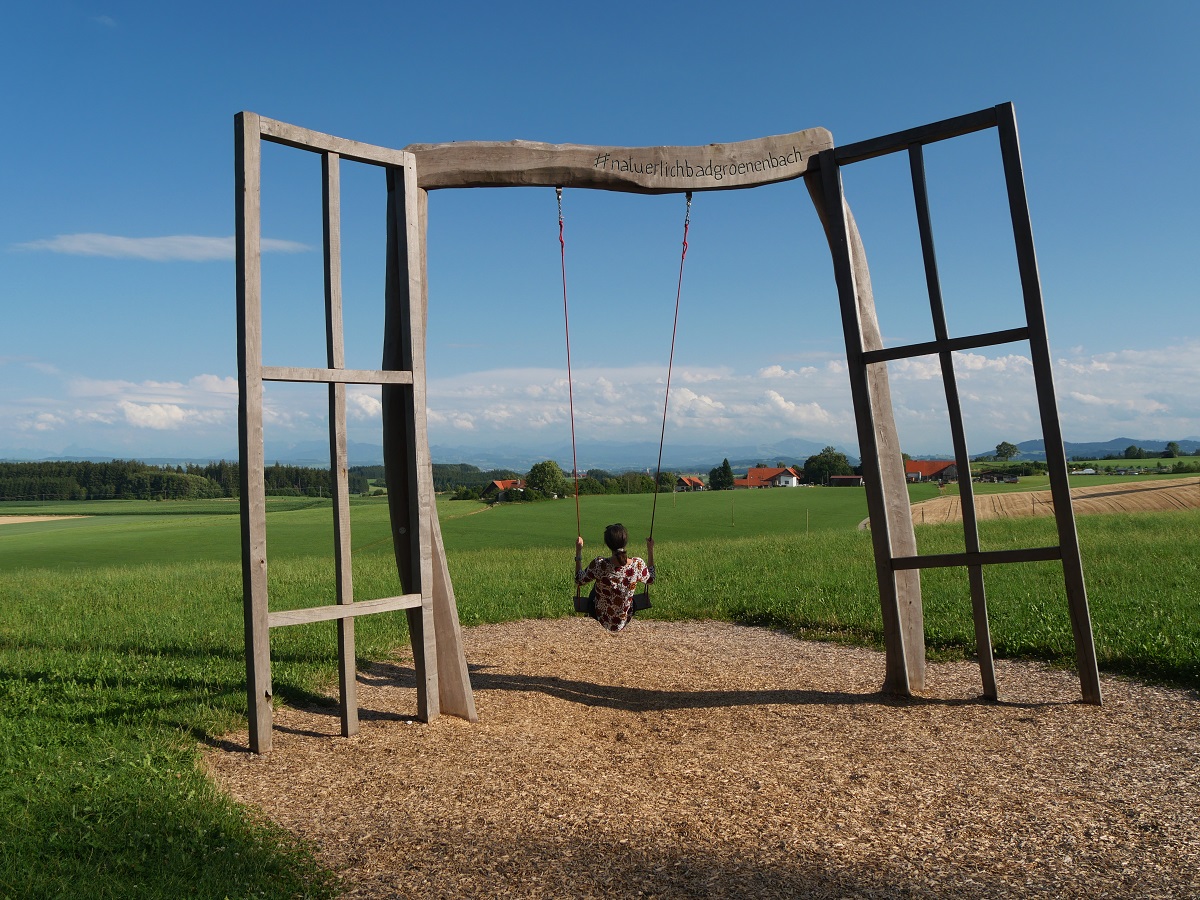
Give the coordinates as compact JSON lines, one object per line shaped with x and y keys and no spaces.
{"x":562,"y":244}
{"x":671,"y":360}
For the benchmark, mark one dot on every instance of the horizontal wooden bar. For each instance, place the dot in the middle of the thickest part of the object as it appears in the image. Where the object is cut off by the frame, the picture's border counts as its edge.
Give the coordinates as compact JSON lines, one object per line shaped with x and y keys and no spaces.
{"x":342,"y":610}
{"x":929,"y":348}
{"x":645,"y":170}
{"x":305,"y":139}
{"x":925,"y":134}
{"x":982,"y":558}
{"x":335,"y":376}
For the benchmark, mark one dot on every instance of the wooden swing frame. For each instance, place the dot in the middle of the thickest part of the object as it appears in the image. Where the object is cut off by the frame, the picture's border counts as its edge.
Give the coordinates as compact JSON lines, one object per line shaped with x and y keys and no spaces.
{"x":443,"y":683}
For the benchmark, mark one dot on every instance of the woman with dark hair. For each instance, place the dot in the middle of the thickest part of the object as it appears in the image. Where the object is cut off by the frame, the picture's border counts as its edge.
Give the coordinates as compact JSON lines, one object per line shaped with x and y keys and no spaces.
{"x":616,"y":577}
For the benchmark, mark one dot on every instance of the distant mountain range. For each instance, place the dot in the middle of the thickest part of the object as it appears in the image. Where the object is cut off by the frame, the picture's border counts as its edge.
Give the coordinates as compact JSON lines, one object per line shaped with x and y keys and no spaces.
{"x":612,"y":455}
{"x":1036,"y":450}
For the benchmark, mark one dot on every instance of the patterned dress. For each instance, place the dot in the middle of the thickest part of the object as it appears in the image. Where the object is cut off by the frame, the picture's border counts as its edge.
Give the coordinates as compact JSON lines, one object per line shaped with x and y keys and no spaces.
{"x":615,"y":585}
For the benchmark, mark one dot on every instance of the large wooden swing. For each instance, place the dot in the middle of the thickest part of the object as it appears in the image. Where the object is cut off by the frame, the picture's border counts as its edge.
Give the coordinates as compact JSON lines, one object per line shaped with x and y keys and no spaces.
{"x":443,"y":684}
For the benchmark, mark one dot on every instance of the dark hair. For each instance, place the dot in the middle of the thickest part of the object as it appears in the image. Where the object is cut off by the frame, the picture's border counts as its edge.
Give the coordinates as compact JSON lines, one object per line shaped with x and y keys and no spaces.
{"x":616,"y":536}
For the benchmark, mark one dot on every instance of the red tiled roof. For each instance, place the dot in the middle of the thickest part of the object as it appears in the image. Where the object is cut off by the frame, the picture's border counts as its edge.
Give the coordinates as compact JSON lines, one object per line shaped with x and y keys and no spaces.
{"x":927,"y":468}
{"x":751,"y":482}
{"x":766,"y":473}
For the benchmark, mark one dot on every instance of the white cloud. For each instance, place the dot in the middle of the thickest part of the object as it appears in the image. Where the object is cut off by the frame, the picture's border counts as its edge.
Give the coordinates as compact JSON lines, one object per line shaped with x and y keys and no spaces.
{"x":362,"y":404}
{"x":159,"y":416}
{"x":778,"y":371}
{"x":809,"y":414}
{"x":170,"y":248}
{"x":44,"y":421}
{"x":1140,"y":394}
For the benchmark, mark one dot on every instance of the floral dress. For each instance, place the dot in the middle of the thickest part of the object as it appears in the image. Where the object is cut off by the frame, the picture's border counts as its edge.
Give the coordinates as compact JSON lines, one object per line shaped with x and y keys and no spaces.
{"x":615,"y":584}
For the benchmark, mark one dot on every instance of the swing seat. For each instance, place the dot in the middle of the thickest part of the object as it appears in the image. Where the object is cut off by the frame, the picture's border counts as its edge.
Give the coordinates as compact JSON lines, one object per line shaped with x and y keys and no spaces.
{"x":641,"y":600}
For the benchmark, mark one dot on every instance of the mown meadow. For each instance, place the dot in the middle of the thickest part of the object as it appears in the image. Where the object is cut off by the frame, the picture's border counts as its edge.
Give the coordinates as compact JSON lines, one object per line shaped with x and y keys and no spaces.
{"x":121,"y":643}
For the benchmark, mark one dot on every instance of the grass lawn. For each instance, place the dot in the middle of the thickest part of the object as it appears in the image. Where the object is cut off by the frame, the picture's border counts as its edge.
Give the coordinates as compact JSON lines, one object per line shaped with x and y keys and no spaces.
{"x":121,"y":643}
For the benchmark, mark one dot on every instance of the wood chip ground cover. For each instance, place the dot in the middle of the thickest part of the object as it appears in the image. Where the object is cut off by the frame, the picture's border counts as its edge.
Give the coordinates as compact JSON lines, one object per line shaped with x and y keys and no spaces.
{"x":704,"y":759}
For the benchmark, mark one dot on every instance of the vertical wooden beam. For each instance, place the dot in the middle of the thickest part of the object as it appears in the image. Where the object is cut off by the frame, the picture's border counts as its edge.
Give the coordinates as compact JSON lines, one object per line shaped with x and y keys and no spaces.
{"x":409,"y":490}
{"x":1043,"y":379}
{"x":454,"y":678}
{"x":247,"y":179}
{"x":983,"y":635}
{"x":331,"y":203}
{"x":879,"y":446}
{"x":416,"y":202}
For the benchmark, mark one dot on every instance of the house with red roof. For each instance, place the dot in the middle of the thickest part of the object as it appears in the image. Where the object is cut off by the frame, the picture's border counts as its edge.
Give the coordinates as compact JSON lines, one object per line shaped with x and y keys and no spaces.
{"x":768,"y":477}
{"x":930,"y":470}
{"x":689,"y":483}
{"x":499,"y":489}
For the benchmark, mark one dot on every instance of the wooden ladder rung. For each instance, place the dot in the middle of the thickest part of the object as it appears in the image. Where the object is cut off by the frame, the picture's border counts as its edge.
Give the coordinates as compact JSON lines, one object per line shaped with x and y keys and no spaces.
{"x":341,"y":610}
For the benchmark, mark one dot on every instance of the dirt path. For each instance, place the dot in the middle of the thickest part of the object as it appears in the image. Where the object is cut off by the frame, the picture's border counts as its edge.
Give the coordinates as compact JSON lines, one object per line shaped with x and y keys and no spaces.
{"x":707,"y":760}
{"x":1134,"y":496}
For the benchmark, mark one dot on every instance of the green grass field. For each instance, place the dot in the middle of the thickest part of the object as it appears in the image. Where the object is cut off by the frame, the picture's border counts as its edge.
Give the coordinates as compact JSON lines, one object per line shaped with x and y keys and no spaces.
{"x":121,"y":643}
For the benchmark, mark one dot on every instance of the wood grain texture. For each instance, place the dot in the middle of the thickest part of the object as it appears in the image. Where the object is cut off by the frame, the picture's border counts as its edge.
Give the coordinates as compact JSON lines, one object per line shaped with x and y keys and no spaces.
{"x":331,"y":206}
{"x":247,"y":192}
{"x":647,"y":170}
{"x":334,"y":376}
{"x":883,"y":465}
{"x":454,"y":679}
{"x":342,"y":611}
{"x":318,"y":142}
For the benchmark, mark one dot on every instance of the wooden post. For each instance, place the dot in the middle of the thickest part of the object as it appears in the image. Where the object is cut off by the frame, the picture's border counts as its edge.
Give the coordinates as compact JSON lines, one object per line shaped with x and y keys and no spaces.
{"x":247,"y":177}
{"x":879,"y":445}
{"x":1043,"y":379}
{"x":338,"y":462}
{"x":405,"y":441}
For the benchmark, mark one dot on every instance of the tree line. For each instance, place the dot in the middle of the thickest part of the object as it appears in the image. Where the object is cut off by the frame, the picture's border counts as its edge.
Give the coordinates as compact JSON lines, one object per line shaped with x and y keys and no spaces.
{"x":133,"y":480}
{"x":547,"y":480}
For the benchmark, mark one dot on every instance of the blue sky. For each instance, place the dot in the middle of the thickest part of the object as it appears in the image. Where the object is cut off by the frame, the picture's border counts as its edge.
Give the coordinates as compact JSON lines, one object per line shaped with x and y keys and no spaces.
{"x":116,"y":252}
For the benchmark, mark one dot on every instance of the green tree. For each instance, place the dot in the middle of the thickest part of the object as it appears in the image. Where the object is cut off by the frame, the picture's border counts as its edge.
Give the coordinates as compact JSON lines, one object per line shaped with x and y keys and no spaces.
{"x":1172,"y":451}
{"x":547,"y":478}
{"x":1006,"y":450}
{"x":1133,"y":451}
{"x":721,"y":477}
{"x":819,"y":468}
{"x":590,"y":485}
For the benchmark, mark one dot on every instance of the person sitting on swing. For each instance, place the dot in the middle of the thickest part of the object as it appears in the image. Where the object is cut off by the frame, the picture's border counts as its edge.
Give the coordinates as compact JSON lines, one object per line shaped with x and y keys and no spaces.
{"x":616,"y":577}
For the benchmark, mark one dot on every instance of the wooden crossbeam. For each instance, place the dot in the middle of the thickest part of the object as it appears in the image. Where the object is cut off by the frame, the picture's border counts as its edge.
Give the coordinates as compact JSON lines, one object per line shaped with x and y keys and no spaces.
{"x":949,"y":345}
{"x":976,"y":558}
{"x":334,"y":376}
{"x":640,"y":170}
{"x":342,"y":610}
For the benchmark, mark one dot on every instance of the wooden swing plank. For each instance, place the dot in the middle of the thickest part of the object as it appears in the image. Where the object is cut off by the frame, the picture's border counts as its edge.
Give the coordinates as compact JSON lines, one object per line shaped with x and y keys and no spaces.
{"x":645,"y":170}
